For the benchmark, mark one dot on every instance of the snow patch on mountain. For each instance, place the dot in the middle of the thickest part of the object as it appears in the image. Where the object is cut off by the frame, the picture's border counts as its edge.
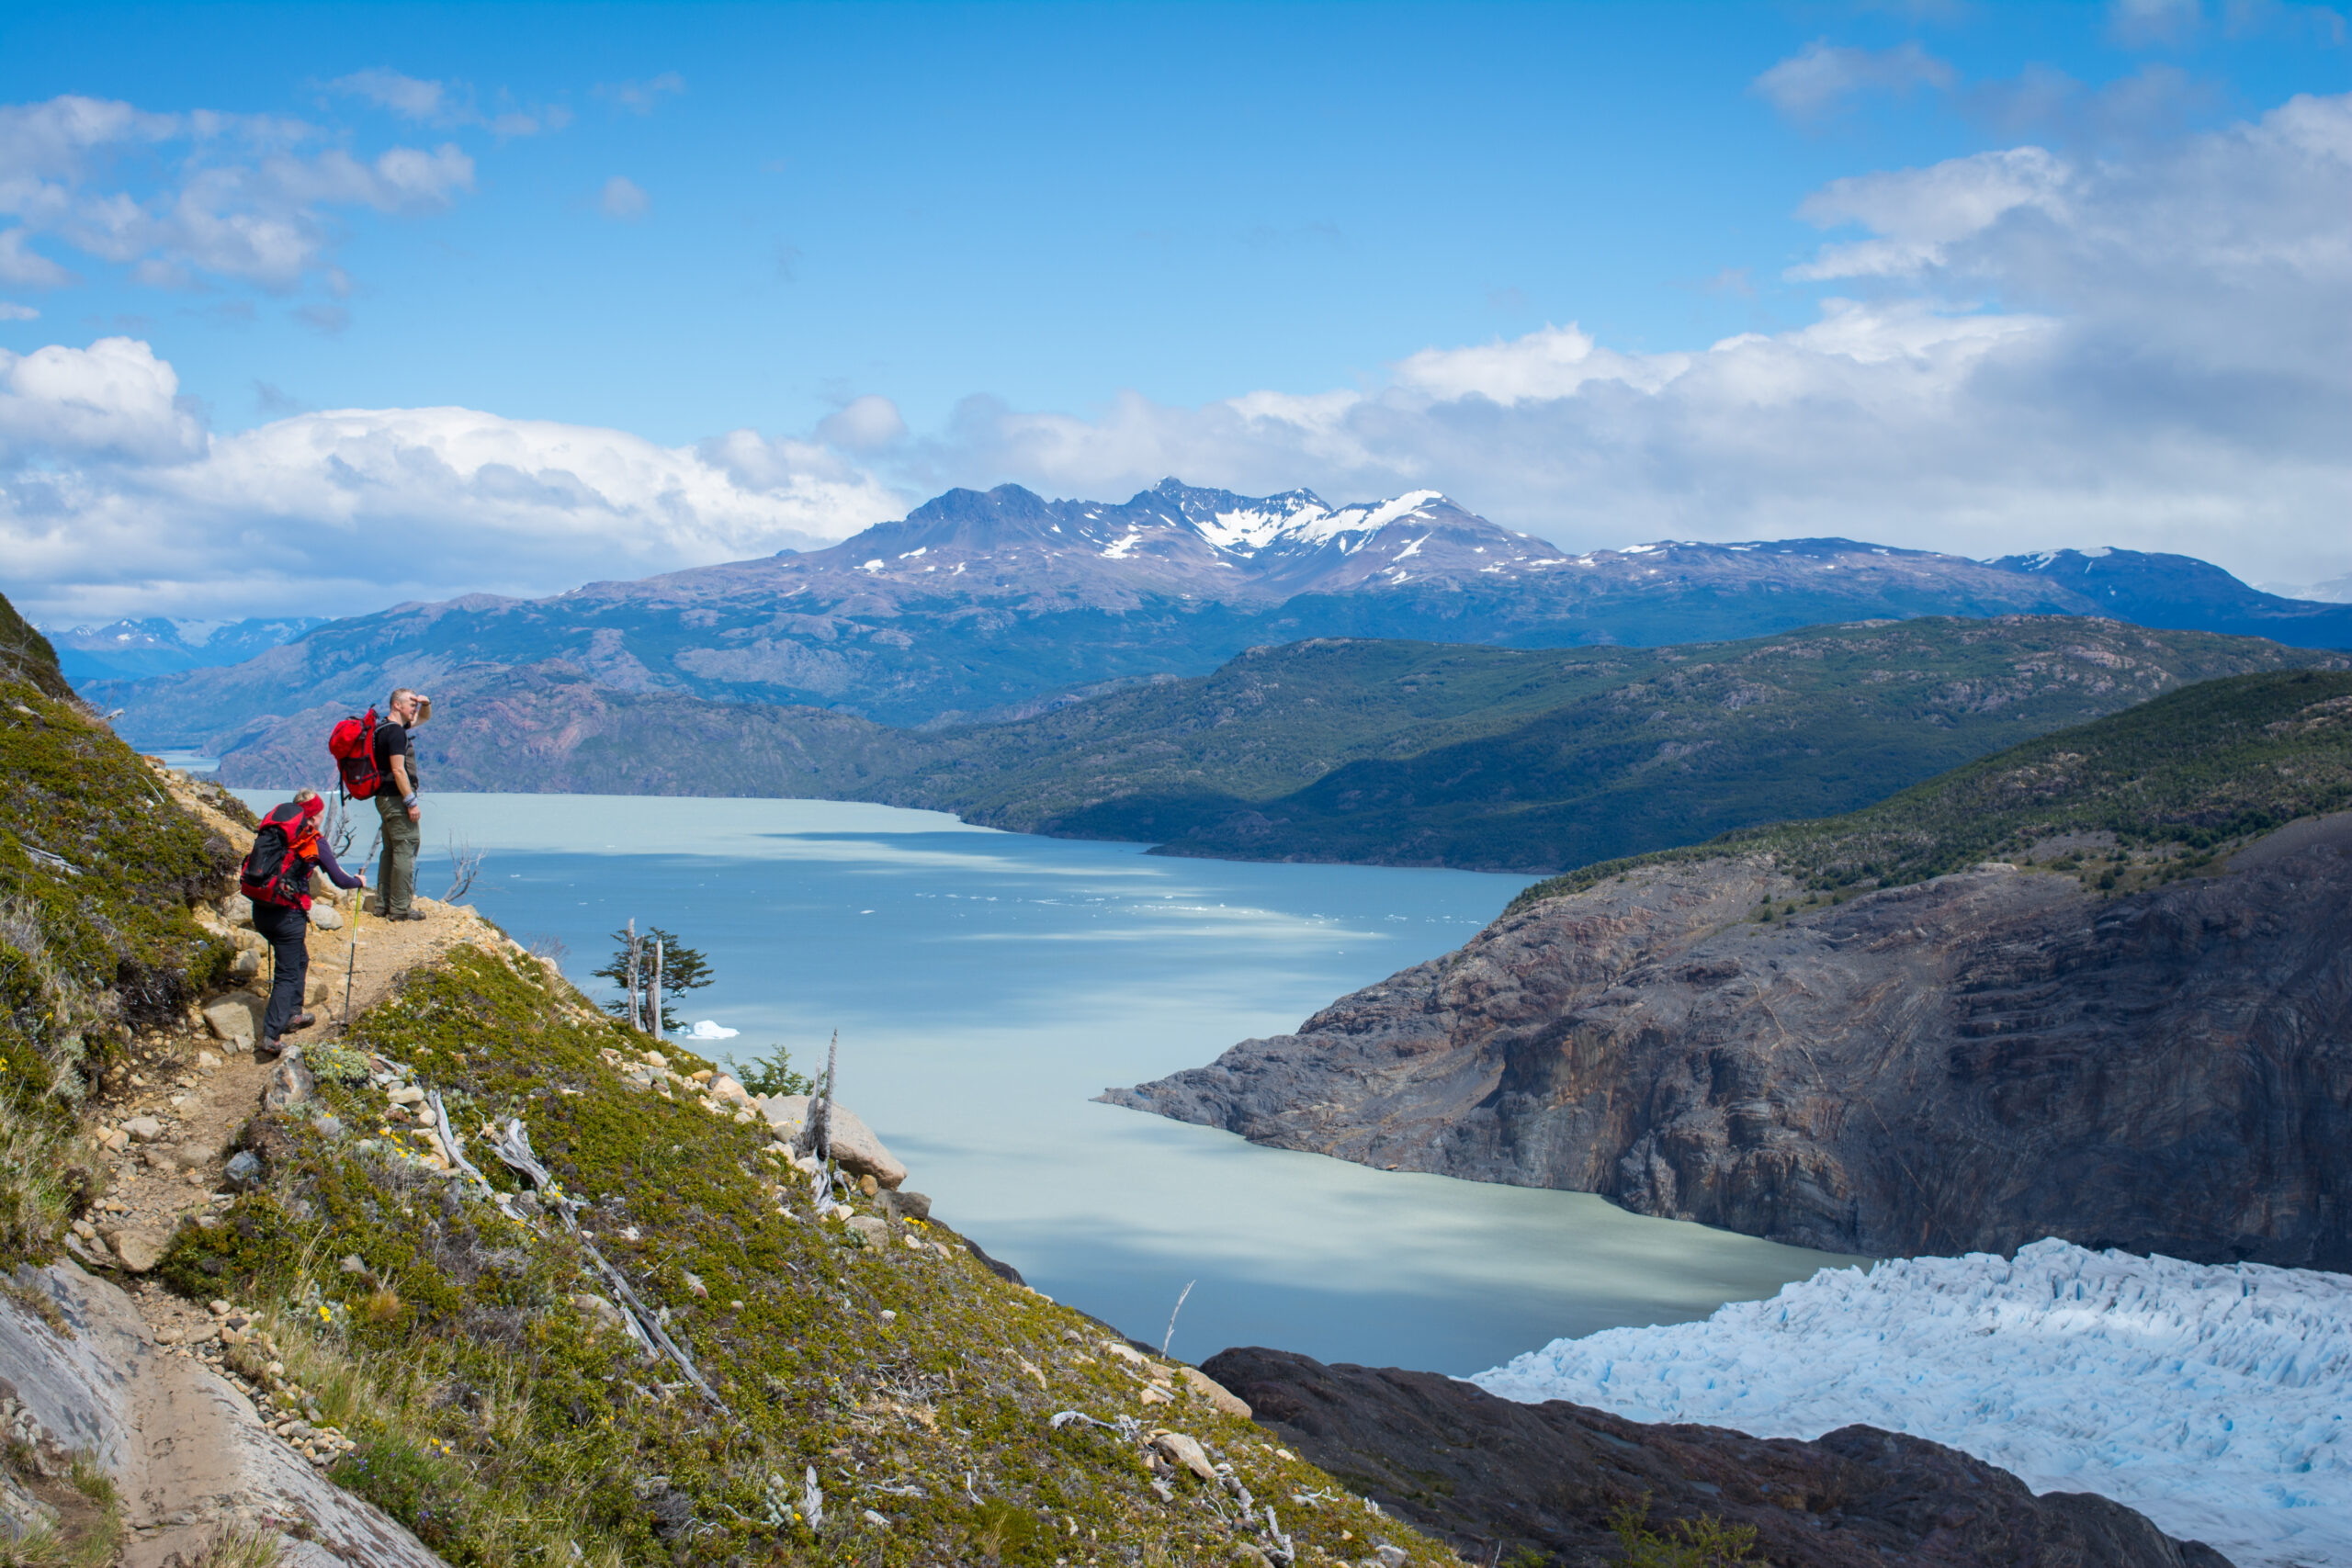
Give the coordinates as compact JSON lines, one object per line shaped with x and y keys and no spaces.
{"x":2213,"y":1399}
{"x":1248,"y":531}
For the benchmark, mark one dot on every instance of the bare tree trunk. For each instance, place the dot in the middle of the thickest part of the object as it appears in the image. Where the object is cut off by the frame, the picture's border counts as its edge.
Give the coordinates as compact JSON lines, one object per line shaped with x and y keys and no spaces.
{"x":635,"y":1018}
{"x":657,"y":988}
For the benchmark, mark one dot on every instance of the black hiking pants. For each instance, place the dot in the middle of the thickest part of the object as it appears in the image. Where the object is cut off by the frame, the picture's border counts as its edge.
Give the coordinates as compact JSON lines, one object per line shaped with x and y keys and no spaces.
{"x":287,"y":930}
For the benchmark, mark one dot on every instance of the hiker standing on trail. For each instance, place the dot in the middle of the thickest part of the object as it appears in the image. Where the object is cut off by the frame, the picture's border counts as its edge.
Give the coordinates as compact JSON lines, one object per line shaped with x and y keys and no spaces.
{"x":276,"y":878}
{"x":396,"y":803}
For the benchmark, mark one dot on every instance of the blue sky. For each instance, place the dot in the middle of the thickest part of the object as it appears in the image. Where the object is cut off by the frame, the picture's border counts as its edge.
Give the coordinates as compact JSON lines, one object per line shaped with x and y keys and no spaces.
{"x":1068,"y":243}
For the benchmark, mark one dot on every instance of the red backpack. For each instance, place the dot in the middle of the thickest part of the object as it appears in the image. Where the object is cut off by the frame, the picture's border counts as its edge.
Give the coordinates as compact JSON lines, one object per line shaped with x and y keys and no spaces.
{"x":352,"y":744}
{"x":278,"y":869}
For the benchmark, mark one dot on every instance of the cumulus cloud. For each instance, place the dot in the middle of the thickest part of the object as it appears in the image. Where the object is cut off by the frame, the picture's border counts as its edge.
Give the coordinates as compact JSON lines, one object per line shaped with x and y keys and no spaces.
{"x":114,"y":399}
{"x":622,"y":199}
{"x":2169,"y":367}
{"x":114,"y":500}
{"x":12,"y":311}
{"x":2025,"y":348}
{"x":245,"y":197}
{"x":1823,"y":77}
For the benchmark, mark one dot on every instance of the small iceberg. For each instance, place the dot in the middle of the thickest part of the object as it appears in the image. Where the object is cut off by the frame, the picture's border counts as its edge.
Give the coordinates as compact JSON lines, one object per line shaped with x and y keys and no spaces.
{"x":710,"y":1029}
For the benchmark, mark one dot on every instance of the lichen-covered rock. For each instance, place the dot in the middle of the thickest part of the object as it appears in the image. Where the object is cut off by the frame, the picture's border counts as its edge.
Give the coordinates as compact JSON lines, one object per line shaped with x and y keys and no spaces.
{"x":289,"y":1085}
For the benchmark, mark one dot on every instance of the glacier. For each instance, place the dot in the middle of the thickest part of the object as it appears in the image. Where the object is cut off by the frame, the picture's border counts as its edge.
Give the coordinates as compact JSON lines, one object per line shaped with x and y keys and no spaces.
{"x":2213,"y":1398}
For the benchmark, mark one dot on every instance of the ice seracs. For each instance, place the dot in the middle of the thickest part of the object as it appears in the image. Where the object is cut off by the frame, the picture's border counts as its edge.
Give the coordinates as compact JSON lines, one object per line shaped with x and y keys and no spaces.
{"x":2215,"y":1399}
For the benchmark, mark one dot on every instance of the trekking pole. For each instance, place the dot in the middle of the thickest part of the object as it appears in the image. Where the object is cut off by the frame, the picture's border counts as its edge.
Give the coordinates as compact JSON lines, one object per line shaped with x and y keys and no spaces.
{"x":351,"y":953}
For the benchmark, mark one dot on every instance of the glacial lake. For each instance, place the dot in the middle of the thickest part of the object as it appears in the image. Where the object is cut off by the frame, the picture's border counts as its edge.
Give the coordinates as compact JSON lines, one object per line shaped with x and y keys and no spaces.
{"x":987,"y":985}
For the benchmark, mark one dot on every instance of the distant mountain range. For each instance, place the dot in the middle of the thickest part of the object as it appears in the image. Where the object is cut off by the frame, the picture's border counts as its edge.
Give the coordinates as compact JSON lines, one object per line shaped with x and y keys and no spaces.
{"x":129,"y":650}
{"x":992,"y":604}
{"x":1383,"y":752}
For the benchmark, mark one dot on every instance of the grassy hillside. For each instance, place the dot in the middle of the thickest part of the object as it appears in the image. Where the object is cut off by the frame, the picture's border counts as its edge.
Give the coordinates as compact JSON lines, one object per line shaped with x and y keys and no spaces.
{"x":2156,"y":792}
{"x":502,"y":1411}
{"x":475,"y":1359}
{"x":97,"y":868}
{"x":26,"y":656}
{"x":1415,"y":753}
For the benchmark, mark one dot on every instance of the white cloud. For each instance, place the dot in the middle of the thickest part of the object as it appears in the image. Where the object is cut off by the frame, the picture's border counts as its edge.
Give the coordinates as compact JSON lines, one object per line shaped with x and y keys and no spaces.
{"x":444,"y":104}
{"x":12,"y":311}
{"x":2170,"y":368}
{"x":2038,"y":349}
{"x":28,"y":268}
{"x":1823,"y":77}
{"x":1918,"y":212}
{"x":245,"y":197}
{"x":405,"y":95}
{"x":864,"y":424}
{"x":622,"y":199}
{"x":119,"y":498}
{"x":114,"y":399}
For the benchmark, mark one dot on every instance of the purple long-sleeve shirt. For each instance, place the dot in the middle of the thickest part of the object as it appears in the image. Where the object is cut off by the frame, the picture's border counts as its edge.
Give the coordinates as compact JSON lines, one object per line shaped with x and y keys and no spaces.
{"x":335,"y":873}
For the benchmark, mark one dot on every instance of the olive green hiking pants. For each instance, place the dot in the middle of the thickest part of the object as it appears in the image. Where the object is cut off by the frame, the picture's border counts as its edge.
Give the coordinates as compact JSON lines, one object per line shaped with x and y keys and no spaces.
{"x":396,"y":870}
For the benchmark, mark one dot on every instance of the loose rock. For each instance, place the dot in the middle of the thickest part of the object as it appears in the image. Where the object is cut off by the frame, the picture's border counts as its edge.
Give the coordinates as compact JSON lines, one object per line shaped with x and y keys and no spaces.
{"x":1216,"y":1392}
{"x":235,"y":1019}
{"x":139,"y":1248}
{"x":1186,"y":1452}
{"x":289,"y":1085}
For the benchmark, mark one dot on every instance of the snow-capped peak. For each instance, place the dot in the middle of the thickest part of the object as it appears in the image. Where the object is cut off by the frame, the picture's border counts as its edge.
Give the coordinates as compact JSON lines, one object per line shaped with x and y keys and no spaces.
{"x":1302,"y":518}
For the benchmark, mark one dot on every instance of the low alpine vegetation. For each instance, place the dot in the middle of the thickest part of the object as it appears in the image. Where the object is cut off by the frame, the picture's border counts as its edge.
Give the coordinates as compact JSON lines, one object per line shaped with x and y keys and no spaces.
{"x":876,"y":1394}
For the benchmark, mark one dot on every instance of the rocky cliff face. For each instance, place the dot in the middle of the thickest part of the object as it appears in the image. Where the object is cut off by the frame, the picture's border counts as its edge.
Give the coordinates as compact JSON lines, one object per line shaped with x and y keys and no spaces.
{"x":1496,"y":1479}
{"x":1969,"y":1063}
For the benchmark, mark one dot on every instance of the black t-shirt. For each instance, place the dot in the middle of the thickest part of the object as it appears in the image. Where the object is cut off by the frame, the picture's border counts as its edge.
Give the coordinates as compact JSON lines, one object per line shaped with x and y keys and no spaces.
{"x":392,"y":740}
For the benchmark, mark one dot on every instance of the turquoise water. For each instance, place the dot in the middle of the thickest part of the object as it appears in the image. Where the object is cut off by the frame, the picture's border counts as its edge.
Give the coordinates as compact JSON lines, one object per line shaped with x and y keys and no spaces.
{"x":987,"y":985}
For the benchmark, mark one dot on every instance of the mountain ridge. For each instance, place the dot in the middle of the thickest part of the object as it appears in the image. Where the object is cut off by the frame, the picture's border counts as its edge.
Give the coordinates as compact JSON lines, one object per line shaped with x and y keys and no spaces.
{"x":1357,"y":751}
{"x":2093,"y":987}
{"x":988,"y":602}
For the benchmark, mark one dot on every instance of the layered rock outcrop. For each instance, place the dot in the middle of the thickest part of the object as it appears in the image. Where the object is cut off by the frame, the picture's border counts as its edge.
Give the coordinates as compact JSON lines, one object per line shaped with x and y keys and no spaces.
{"x":1966,"y":1064}
{"x":1497,"y":1479}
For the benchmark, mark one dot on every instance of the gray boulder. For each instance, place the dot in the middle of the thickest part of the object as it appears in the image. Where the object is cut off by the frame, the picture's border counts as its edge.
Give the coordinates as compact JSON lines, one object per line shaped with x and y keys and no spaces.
{"x":856,"y":1148}
{"x":234,"y":1019}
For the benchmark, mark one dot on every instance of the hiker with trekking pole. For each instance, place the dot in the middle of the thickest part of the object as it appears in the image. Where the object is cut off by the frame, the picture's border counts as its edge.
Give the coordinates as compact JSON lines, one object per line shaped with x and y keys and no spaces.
{"x":377,"y":759}
{"x":276,"y":878}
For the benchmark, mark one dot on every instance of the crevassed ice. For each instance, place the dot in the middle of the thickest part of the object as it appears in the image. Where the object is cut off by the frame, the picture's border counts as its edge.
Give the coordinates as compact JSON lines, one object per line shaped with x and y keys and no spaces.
{"x":2215,"y":1399}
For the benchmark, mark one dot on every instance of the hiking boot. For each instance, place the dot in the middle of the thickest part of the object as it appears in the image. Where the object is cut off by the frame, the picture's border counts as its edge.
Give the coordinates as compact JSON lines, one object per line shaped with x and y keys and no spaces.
{"x":304,"y":1020}
{"x":266,"y":1050}
{"x":410,"y":915}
